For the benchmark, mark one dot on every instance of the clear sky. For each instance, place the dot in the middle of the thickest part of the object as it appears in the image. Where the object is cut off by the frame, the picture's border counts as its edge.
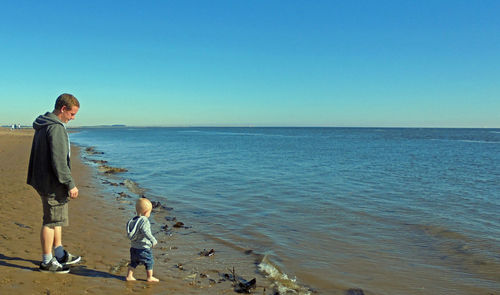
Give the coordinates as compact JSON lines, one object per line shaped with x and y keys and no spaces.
{"x":254,"y":63}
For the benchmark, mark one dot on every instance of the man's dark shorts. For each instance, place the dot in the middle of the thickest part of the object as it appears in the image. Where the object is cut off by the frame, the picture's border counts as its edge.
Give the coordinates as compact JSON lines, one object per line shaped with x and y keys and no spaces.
{"x":141,"y":256}
{"x":55,"y":207}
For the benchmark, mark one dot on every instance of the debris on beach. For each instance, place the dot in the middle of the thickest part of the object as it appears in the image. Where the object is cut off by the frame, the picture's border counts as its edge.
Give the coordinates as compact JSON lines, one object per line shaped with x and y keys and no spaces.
{"x":191,"y":277}
{"x":244,"y":287}
{"x":123,"y":195}
{"x":157,"y":205}
{"x":226,"y":276}
{"x":110,"y":183}
{"x":122,"y":198}
{"x":111,"y":170}
{"x":179,"y":224}
{"x":207,"y":253}
{"x":240,"y":284}
{"x":92,"y":151}
{"x":179,"y":266}
{"x":167,"y":230}
{"x":22,"y":225}
{"x":98,"y":161}
{"x":115,"y":269}
{"x":168,"y":218}
{"x":354,"y":291}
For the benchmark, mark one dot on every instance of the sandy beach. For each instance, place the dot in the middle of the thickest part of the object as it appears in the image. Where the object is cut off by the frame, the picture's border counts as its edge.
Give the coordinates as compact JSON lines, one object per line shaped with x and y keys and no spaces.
{"x":96,"y":232}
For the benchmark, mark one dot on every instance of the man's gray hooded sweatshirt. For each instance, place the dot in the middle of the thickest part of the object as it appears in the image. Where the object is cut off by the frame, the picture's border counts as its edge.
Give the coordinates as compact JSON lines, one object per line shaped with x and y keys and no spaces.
{"x":139,"y":233}
{"x":50,"y":167}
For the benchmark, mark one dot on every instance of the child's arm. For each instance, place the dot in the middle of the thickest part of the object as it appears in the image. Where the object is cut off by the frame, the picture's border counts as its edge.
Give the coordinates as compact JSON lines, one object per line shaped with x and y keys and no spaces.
{"x":147,"y":232}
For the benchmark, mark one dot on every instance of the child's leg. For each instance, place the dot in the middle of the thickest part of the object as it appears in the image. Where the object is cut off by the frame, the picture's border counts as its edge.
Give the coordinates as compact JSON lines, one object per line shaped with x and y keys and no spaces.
{"x":149,"y":262}
{"x":134,"y":261}
{"x":150,"y":276}
{"x":130,"y":274}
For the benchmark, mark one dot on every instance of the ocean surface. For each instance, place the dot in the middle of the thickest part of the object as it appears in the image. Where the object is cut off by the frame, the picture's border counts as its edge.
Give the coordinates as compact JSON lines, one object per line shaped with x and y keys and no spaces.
{"x":386,"y":210}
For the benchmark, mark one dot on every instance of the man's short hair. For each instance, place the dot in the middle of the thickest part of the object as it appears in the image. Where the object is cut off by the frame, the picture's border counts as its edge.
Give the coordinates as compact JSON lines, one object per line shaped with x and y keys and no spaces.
{"x":67,"y":100}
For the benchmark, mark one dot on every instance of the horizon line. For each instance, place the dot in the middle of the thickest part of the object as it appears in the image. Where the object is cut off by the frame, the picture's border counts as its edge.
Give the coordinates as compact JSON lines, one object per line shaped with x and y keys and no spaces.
{"x":268,"y":126}
{"x":254,"y":126}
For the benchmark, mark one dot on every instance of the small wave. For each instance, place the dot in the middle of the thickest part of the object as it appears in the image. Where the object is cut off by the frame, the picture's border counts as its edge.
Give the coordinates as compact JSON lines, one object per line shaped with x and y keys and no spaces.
{"x":467,"y":140}
{"x":189,"y":131}
{"x":237,"y":133}
{"x":281,"y":281}
{"x":229,"y":133}
{"x":222,"y":132}
{"x":441,"y":232}
{"x":457,"y":249}
{"x":479,"y":141}
{"x":134,"y":187}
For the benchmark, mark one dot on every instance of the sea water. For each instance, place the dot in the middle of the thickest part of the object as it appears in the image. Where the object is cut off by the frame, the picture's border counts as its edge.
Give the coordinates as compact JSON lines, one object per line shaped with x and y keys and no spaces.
{"x":386,"y":210}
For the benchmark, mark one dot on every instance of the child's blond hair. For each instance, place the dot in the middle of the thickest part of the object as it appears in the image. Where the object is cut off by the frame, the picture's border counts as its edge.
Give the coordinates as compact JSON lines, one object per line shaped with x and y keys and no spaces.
{"x":142,"y":205}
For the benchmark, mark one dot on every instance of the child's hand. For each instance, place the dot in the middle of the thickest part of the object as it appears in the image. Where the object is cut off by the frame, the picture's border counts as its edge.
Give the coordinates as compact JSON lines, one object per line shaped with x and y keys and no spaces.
{"x":154,"y":244}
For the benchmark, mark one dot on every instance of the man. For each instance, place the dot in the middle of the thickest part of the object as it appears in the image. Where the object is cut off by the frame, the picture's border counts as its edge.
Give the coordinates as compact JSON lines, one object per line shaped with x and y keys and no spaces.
{"x":49,"y":172}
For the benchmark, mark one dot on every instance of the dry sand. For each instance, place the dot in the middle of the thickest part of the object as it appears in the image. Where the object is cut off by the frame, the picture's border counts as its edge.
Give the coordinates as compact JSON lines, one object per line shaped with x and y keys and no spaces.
{"x":97,"y":232}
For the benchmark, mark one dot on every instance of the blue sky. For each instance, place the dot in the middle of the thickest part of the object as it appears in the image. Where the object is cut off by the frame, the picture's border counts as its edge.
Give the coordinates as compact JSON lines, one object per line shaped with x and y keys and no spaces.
{"x":254,"y":63}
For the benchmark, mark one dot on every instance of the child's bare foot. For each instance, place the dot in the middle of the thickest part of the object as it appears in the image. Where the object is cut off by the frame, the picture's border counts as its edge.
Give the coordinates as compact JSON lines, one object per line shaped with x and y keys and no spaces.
{"x":130,"y":278}
{"x":152,"y":279}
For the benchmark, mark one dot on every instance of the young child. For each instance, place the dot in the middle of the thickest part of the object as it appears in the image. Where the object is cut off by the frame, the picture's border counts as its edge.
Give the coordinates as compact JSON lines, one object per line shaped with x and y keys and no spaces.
{"x":142,"y":240}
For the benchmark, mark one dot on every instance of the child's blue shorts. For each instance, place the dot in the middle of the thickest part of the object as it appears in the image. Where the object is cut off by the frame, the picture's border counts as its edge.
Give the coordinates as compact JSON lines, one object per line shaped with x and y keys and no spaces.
{"x":141,"y":256}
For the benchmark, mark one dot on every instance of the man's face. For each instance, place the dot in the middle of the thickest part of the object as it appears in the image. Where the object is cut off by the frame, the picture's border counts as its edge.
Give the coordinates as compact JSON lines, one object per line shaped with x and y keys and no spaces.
{"x":68,"y":114}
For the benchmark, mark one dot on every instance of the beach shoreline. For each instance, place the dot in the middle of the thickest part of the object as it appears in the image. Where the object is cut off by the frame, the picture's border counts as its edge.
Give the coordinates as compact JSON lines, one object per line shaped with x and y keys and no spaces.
{"x":96,"y":232}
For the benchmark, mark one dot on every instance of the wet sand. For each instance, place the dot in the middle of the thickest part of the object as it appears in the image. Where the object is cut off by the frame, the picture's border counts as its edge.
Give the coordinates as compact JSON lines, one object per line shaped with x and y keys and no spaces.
{"x":97,"y":232}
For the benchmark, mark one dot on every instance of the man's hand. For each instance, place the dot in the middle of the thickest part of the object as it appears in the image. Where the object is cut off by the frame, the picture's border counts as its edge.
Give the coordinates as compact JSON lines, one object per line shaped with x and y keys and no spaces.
{"x":73,"y":193}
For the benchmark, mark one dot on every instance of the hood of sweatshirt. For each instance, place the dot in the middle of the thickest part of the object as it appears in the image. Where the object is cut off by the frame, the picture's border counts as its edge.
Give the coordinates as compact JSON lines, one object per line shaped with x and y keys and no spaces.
{"x":133,"y":225}
{"x":45,"y":120}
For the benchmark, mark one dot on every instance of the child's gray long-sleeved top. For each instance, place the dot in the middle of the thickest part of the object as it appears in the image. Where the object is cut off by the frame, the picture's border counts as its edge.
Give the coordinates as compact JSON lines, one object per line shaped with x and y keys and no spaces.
{"x":139,"y":233}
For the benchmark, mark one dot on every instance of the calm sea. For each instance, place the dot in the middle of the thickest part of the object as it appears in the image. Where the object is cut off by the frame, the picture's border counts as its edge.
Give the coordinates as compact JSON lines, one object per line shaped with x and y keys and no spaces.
{"x":387,"y":210}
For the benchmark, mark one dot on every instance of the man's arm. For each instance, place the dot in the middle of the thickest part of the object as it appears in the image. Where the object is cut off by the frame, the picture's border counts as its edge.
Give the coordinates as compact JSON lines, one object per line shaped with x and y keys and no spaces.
{"x":59,"y":151}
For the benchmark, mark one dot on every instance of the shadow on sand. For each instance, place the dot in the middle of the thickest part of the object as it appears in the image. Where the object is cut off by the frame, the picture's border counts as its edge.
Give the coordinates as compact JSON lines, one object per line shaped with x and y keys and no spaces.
{"x":82,"y":270}
{"x":6,"y":261}
{"x":78,"y":270}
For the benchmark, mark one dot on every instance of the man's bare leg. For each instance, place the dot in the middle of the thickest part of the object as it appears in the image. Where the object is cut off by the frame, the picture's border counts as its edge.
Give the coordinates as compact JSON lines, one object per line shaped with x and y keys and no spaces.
{"x":50,"y":238}
{"x":57,"y":236}
{"x":47,"y":236}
